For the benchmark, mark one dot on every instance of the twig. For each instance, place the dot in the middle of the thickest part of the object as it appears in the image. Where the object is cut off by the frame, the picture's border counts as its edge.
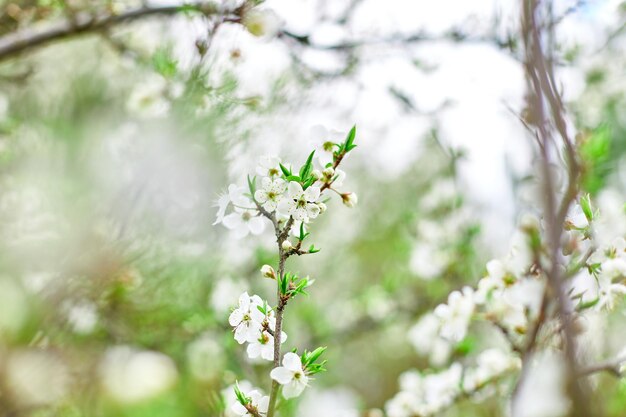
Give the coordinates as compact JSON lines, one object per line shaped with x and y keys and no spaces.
{"x":83,"y":23}
{"x":611,"y":366}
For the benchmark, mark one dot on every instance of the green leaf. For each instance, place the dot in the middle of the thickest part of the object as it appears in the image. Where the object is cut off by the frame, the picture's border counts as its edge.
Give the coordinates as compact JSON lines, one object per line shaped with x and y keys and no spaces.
{"x":349,"y":144}
{"x":307,"y":167}
{"x":313,"y":356}
{"x":585,"y":204}
{"x":595,"y":153}
{"x":286,"y":172}
{"x":164,"y":64}
{"x":252,"y":185}
{"x":284,"y":284}
{"x":312,"y":249}
{"x":243,"y":400}
{"x":302,"y":234}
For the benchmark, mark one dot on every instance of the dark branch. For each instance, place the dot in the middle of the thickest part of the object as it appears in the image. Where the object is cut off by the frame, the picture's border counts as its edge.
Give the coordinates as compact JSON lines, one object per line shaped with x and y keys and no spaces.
{"x":83,"y":23}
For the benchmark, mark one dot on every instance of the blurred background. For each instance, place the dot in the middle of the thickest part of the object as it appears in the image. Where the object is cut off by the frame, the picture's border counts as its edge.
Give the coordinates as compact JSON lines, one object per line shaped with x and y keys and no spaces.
{"x":115,"y":143}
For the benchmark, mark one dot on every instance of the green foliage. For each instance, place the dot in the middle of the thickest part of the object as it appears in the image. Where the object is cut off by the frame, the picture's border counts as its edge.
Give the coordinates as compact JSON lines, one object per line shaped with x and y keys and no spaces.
{"x":595,"y":152}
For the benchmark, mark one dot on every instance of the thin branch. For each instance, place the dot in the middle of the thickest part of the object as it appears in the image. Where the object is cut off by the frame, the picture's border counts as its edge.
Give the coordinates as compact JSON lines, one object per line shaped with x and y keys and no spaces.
{"x":454,"y":36}
{"x":612,"y":367}
{"x":84,"y":23}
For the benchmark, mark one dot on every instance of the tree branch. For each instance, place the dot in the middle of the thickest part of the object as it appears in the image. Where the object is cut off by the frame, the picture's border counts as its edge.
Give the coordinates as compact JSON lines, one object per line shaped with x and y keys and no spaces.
{"x":85,"y":23}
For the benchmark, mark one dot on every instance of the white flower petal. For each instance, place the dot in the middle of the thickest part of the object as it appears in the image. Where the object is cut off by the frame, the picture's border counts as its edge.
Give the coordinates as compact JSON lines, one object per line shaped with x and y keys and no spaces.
{"x":292,"y":362}
{"x":263,"y":404}
{"x":312,"y":194}
{"x":312,"y":210}
{"x":281,"y":375}
{"x":239,"y":409}
{"x":256,"y":225}
{"x":254,"y":350}
{"x":293,"y":389}
{"x":235,"y":318}
{"x":295,"y":189}
{"x":232,"y":221}
{"x":261,"y":196}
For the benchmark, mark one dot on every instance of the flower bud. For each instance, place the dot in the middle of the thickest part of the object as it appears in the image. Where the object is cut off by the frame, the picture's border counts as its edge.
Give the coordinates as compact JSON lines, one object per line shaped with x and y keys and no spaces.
{"x":349,"y":199}
{"x":287,"y":245}
{"x":262,"y":23}
{"x":322,"y":207}
{"x":268,"y":272}
{"x":328,"y":174}
{"x":316,"y":174}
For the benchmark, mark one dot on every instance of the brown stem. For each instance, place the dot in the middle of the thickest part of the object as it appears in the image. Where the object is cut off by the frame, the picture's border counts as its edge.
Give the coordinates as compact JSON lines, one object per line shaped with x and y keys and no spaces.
{"x":542,"y":92}
{"x":281,"y":236}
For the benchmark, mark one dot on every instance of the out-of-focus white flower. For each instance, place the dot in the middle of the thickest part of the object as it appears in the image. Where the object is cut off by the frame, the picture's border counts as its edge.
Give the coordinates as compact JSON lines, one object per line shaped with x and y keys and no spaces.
{"x":269,"y":166}
{"x":291,"y":375}
{"x":335,"y":402}
{"x":262,"y":22}
{"x":271,"y":193}
{"x":36,"y":378}
{"x":82,"y":316}
{"x":257,"y":400}
{"x":424,"y":336}
{"x":427,"y":261}
{"x":243,"y":222}
{"x":542,"y":391}
{"x":425,"y":395}
{"x":455,"y":316}
{"x":205,"y":357}
{"x":234,"y":195}
{"x":490,"y":364}
{"x":129,"y":375}
{"x":148,"y":99}
{"x":324,"y":142}
{"x":225,"y":289}
{"x":247,"y":319}
{"x":300,"y":203}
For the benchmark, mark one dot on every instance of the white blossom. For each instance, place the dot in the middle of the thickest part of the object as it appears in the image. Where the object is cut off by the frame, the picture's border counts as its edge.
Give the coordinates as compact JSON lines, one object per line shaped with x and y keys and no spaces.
{"x":271,"y":193}
{"x":247,"y":319}
{"x":269,"y":166}
{"x":291,"y":376}
{"x":263,"y":347}
{"x":299,"y":203}
{"x":324,"y":142}
{"x":243,"y":222}
{"x":456,"y":314}
{"x":349,"y":199}
{"x":262,"y":22}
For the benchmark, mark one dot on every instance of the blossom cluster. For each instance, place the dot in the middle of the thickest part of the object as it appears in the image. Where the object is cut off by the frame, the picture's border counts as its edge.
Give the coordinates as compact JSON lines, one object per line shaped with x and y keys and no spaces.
{"x":428,"y":394}
{"x":286,"y":194}
{"x":511,"y":298}
{"x":289,"y":200}
{"x":254,"y":323}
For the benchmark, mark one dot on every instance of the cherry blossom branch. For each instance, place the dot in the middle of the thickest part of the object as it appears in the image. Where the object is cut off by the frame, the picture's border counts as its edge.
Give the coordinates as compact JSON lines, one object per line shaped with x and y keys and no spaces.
{"x":280,"y":309}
